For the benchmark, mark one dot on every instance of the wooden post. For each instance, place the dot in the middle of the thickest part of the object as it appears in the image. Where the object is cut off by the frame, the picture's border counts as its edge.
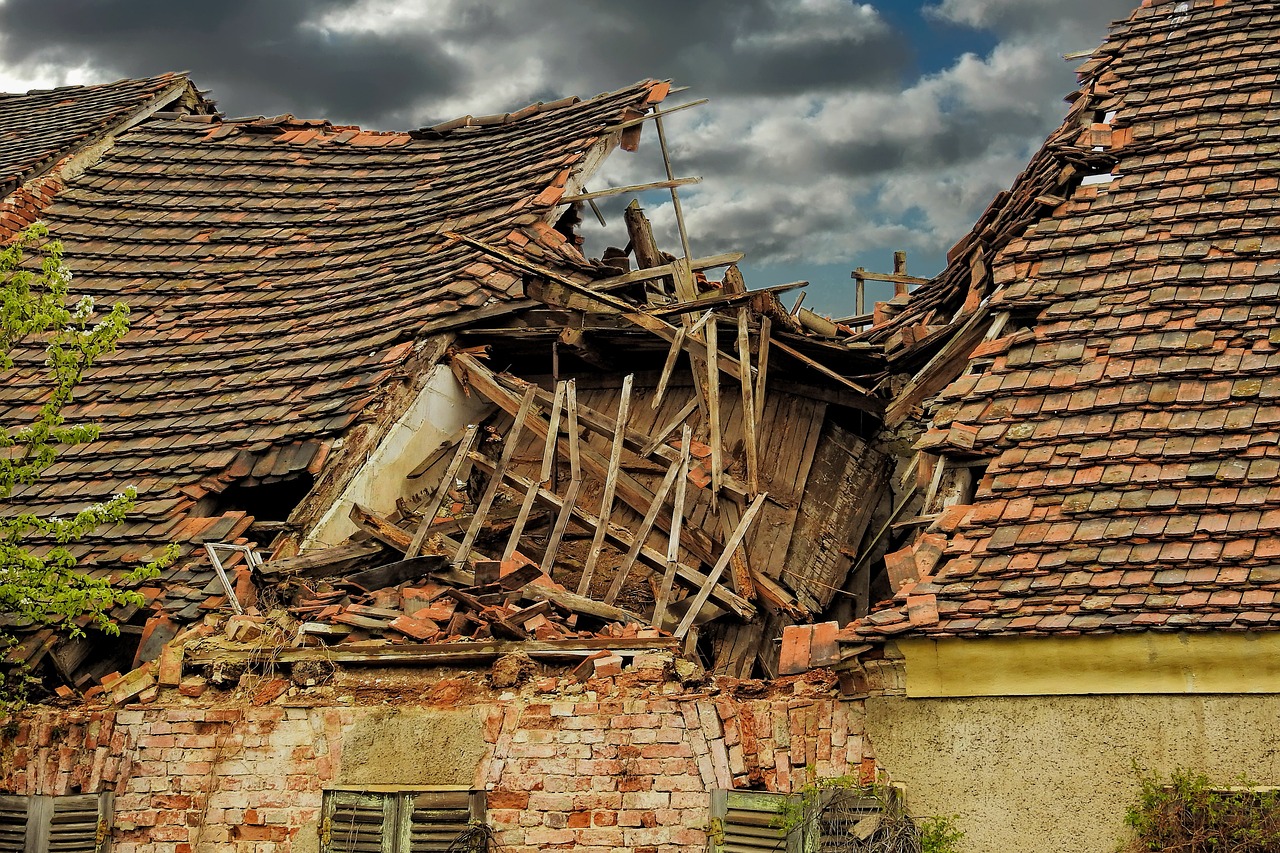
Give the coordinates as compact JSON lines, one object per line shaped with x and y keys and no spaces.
{"x":762,"y":371}
{"x":714,"y":438}
{"x":749,"y":419}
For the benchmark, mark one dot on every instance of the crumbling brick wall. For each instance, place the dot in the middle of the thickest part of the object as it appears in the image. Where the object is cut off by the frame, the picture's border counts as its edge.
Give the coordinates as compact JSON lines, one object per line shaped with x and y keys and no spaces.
{"x":603,"y":767}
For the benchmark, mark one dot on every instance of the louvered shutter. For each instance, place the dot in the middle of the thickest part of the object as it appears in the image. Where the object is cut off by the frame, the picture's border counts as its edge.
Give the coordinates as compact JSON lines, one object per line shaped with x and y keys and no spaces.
{"x":747,"y":822}
{"x":13,"y":823}
{"x":79,"y":824}
{"x":437,"y":818}
{"x":358,"y":823}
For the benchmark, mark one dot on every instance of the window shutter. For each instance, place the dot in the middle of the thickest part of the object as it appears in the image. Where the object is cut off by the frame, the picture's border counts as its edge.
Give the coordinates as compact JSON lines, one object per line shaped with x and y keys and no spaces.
{"x":358,"y":823}
{"x":437,"y":818}
{"x":13,"y":823}
{"x":79,"y":824}
{"x":746,"y":822}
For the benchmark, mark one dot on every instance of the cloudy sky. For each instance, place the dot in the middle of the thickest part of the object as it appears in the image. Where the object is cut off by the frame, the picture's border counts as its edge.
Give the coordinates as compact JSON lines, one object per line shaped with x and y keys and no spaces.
{"x":837,"y":131}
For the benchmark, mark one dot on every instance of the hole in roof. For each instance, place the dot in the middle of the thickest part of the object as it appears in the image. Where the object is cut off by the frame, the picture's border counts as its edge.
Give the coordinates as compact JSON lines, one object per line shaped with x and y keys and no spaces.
{"x":270,"y":501}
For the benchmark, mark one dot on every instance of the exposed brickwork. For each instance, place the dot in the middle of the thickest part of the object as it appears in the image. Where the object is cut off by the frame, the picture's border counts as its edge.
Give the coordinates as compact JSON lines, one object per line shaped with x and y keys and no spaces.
{"x":604,"y":769}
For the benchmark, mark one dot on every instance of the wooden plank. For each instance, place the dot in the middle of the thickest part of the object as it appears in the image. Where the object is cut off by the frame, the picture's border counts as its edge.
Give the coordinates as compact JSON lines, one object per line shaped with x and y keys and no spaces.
{"x":324,"y":561}
{"x":575,"y":480}
{"x":432,"y":507}
{"x":714,"y":577}
{"x":893,"y":278}
{"x":380,"y":528}
{"x":623,"y":538}
{"x":495,"y":482}
{"x":642,"y":533}
{"x":610,"y":484}
{"x":715,"y":437}
{"x":623,"y":125}
{"x":673,"y":355}
{"x":739,"y":564}
{"x":749,"y":419}
{"x":673,"y":537}
{"x":580,"y":604}
{"x":658,"y":442}
{"x":633,"y":188}
{"x":544,"y":473}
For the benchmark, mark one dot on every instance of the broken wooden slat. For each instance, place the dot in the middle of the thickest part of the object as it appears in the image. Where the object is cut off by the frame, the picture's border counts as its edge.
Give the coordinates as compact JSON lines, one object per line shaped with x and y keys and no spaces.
{"x":749,"y":418}
{"x":495,"y":482}
{"x":659,"y":440}
{"x":642,"y":533}
{"x":740,"y":567}
{"x":544,"y":473}
{"x":380,"y":528}
{"x":610,"y":484}
{"x":673,"y":355}
{"x":580,"y":604}
{"x":324,"y":561}
{"x":722,"y":300}
{"x":432,"y":506}
{"x":623,"y":538}
{"x":673,"y":538}
{"x":575,"y":479}
{"x":739,"y":532}
{"x":634,"y":122}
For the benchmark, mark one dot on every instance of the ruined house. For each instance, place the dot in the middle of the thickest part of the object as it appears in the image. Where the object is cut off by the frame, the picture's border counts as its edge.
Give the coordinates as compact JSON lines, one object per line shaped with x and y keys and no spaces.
{"x":488,"y":542}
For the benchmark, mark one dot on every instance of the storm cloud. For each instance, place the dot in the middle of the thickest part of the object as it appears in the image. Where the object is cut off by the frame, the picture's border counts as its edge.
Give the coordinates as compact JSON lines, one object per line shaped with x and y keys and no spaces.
{"x":824,"y":143}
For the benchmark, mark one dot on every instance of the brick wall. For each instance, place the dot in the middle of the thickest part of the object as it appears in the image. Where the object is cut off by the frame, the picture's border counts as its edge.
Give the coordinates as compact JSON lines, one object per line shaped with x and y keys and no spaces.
{"x":611,"y":765}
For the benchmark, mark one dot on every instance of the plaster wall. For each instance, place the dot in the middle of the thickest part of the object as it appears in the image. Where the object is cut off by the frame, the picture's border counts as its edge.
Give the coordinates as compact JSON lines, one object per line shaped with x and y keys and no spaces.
{"x":440,"y":411}
{"x":1053,"y":774}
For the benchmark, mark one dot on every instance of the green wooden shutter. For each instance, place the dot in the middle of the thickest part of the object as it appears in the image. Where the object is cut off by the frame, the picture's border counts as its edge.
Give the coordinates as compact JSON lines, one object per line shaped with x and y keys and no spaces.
{"x":747,"y":822}
{"x":79,"y":824}
{"x":437,"y":818}
{"x":13,"y":823}
{"x":358,"y":823}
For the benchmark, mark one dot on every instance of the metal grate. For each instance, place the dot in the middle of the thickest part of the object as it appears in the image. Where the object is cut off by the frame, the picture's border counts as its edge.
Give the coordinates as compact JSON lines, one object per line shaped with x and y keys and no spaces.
{"x":13,"y":824}
{"x":437,"y":820}
{"x":74,"y":825}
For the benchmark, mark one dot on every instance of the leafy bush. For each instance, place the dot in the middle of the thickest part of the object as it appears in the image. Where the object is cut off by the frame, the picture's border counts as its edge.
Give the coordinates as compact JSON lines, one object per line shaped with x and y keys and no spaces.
{"x":1187,"y":814}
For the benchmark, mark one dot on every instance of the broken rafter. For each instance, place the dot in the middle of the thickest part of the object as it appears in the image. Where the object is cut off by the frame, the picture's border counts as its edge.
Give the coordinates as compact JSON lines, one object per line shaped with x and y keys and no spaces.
{"x":544,"y":473}
{"x":634,"y":122}
{"x":673,"y":539}
{"x":722,"y":300}
{"x":491,"y":491}
{"x":642,"y":534}
{"x":749,"y":419}
{"x":650,"y":273}
{"x":634,"y":188}
{"x":872,"y":405}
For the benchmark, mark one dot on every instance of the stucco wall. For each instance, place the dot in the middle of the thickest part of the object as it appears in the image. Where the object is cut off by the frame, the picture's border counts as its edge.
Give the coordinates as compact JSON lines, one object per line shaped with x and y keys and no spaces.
{"x":1053,"y":774}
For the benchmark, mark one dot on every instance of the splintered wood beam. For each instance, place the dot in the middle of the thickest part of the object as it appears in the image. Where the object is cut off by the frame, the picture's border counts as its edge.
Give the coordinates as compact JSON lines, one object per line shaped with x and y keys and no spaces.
{"x":642,"y":534}
{"x":432,"y":507}
{"x":544,"y":473}
{"x":701,"y":597}
{"x":634,"y":188}
{"x":624,"y":539}
{"x":610,"y":484}
{"x":380,"y":528}
{"x":739,"y":565}
{"x":862,"y":275}
{"x":575,"y":480}
{"x":715,"y":437}
{"x":495,"y":482}
{"x":669,"y":366}
{"x":748,"y":405}
{"x":941,"y":370}
{"x":649,"y":273}
{"x":673,"y":538}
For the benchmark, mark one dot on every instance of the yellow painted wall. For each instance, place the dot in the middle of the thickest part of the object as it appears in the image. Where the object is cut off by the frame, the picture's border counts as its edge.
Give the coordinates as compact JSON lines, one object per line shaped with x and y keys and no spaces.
{"x":1147,"y":663}
{"x":1052,"y":774}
